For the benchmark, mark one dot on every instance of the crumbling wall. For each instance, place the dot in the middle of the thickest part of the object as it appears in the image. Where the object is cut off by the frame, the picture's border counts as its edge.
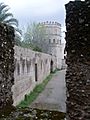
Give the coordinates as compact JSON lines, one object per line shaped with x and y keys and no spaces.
{"x":78,"y":60}
{"x":25,"y":74}
{"x":6,"y":65}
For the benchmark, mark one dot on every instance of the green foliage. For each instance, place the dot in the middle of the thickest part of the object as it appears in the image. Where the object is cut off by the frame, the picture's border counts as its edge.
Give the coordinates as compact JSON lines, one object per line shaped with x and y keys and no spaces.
{"x":36,"y":48}
{"x":56,"y":70}
{"x":28,"y":45}
{"x":18,"y":39}
{"x":37,"y":90}
{"x":7,"y":18}
{"x":36,"y":35}
{"x":25,"y":45}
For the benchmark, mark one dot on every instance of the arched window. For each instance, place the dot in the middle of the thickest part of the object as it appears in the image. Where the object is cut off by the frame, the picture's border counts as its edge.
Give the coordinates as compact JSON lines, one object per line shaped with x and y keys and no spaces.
{"x":60,"y":42}
{"x":53,"y":40}
{"x":49,"y":40}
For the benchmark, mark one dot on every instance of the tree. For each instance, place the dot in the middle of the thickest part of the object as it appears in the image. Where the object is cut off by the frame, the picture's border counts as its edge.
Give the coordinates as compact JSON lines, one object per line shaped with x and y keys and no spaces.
{"x":7,"y":18}
{"x":18,"y":39}
{"x":36,"y":36}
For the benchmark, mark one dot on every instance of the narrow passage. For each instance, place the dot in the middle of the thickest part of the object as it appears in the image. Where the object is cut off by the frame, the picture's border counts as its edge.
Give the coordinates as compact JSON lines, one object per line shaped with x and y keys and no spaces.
{"x":54,"y":95}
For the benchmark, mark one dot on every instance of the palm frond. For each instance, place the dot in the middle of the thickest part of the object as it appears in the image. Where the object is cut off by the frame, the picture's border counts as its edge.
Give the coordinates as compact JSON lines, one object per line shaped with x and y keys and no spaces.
{"x":5,"y":16}
{"x":2,"y":7}
{"x":18,"y":30}
{"x":12,"y":21}
{"x":17,"y":39}
{"x":6,"y":10}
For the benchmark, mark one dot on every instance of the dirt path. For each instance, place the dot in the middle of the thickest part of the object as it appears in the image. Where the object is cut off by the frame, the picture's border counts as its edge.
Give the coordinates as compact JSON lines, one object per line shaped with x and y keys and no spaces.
{"x":54,"y":95}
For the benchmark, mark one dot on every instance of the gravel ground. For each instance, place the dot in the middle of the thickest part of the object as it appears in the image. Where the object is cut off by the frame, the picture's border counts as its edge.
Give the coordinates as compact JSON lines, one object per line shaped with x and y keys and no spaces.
{"x":54,"y":95}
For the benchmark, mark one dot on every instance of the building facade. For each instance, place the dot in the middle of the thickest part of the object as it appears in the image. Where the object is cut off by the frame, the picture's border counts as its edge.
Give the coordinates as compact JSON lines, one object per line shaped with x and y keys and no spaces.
{"x":53,"y":36}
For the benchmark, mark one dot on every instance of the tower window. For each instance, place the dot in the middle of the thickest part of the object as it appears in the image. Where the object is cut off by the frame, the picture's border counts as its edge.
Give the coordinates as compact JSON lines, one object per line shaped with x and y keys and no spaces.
{"x":53,"y":40}
{"x":49,"y":40}
{"x":60,"y":41}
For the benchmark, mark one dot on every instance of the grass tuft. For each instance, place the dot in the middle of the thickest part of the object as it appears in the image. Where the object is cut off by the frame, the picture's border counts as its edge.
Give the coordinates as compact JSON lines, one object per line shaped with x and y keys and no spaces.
{"x":37,"y":90}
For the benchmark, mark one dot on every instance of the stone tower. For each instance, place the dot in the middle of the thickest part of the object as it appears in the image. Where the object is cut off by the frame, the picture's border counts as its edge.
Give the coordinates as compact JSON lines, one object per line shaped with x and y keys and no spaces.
{"x":53,"y":31}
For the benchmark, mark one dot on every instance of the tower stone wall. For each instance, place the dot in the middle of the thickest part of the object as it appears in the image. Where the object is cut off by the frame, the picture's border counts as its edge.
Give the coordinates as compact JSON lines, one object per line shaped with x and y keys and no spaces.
{"x":53,"y":35}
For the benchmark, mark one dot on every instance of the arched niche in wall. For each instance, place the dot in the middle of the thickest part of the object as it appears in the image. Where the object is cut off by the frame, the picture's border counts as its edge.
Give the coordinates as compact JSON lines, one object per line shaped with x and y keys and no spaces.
{"x":18,"y":68}
{"x":28,"y":63}
{"x":49,"y":41}
{"x":51,"y":66}
{"x":41,"y":64}
{"x":23,"y":65}
{"x":21,"y":58}
{"x":46,"y":61}
{"x":36,"y":71}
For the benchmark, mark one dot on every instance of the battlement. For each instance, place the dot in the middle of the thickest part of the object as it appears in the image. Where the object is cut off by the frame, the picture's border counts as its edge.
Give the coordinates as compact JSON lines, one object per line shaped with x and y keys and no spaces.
{"x":50,"y":23}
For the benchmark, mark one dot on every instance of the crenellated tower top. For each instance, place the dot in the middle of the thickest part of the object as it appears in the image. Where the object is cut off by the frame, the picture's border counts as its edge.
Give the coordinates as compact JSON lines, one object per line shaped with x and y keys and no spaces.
{"x":50,"y":23}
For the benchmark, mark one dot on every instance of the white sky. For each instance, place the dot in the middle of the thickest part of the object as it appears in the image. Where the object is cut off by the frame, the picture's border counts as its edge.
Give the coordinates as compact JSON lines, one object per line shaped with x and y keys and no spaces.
{"x":27,"y":11}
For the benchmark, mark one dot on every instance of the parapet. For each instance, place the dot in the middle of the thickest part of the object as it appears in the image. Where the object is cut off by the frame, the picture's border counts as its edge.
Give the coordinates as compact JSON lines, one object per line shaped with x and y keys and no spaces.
{"x":50,"y":23}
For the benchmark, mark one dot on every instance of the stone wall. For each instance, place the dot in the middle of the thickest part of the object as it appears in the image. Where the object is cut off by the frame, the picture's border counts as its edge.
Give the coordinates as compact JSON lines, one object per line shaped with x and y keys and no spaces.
{"x":6,"y":65}
{"x":30,"y":69}
{"x":53,"y":38}
{"x":78,"y":60}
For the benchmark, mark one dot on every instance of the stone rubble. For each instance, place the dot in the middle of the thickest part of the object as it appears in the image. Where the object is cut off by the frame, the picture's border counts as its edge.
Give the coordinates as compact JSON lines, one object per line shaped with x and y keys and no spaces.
{"x":78,"y":60}
{"x":33,"y":114}
{"x":6,"y":65}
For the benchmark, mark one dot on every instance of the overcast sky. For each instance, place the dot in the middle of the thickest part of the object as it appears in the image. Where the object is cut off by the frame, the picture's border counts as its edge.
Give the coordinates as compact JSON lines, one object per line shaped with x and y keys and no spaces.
{"x":27,"y":11}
